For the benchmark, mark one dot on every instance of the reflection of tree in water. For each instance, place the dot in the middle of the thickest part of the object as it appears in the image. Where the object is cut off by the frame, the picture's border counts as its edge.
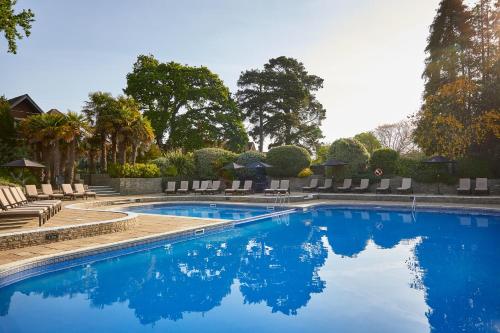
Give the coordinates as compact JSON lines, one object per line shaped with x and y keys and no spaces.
{"x":280,"y":266}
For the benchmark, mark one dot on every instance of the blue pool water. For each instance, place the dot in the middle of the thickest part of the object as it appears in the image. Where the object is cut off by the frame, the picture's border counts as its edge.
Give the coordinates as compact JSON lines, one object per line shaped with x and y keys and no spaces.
{"x":326,"y":270}
{"x":214,"y":211}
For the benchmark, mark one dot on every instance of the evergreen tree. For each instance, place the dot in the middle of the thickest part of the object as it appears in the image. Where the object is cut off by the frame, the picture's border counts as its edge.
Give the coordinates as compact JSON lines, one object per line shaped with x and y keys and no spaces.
{"x":448,"y":47}
{"x":280,"y":103}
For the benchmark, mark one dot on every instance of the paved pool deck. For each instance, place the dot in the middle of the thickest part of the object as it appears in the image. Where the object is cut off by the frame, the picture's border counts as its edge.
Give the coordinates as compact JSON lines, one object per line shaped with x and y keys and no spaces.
{"x":150,"y":226}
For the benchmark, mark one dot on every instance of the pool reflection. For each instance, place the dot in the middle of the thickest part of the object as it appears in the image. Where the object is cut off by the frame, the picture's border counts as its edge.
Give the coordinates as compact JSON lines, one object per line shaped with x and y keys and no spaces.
{"x":278,"y":263}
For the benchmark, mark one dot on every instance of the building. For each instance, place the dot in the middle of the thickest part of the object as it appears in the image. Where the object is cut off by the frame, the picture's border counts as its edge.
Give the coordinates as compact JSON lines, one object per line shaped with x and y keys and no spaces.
{"x":22,"y":107}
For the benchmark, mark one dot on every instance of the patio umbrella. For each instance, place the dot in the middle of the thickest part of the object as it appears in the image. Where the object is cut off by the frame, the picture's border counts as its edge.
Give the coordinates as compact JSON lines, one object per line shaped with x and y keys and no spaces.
{"x":334,"y":162}
{"x":232,"y":166}
{"x":258,"y":165}
{"x":23,"y":164}
{"x":438,"y":160}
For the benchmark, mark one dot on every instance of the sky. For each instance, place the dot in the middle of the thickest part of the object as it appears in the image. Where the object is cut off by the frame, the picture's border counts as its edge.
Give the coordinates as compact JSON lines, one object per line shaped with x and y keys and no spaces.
{"x":369,"y":53}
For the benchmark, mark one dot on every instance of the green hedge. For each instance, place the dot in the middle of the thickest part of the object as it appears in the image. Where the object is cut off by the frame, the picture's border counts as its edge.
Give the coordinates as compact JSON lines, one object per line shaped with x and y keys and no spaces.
{"x":138,"y":170}
{"x":209,"y":161}
{"x":176,"y":163}
{"x":352,"y":152}
{"x":287,"y":161}
{"x":385,"y":159}
{"x":247,"y":158}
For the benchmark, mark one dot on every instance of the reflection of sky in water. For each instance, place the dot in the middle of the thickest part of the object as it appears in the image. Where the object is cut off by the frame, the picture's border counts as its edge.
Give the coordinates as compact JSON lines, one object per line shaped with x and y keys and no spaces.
{"x":331,"y":270}
{"x":227,"y":212}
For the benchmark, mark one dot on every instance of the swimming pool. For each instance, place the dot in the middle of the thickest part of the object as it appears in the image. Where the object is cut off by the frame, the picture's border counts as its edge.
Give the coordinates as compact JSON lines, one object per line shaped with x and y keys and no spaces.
{"x":330,"y":269}
{"x":204,"y":210}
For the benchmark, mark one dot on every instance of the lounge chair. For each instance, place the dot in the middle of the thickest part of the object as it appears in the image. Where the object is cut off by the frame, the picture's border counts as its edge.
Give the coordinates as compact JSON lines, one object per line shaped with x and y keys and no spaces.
{"x":363,"y":186}
{"x":247,"y":187}
{"x":464,"y":186}
{"x":32,"y":193}
{"x":273,"y":187}
{"x":205,"y":184}
{"x":8,"y":211}
{"x":405,"y":186}
{"x":69,"y":193}
{"x":15,"y":203}
{"x":482,"y":186}
{"x":21,"y":201}
{"x":184,"y":187}
{"x":312,"y":185}
{"x":47,"y":190}
{"x":326,"y":186}
{"x":234,"y":187}
{"x":385,"y":186}
{"x":346,"y":187}
{"x":284,"y":186}
{"x":170,"y":188}
{"x":214,"y":187}
{"x":195,"y":185}
{"x":81,"y":190}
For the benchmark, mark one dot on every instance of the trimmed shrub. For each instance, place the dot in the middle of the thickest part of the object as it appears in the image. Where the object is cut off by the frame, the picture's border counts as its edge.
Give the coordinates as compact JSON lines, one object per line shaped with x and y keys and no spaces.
{"x":209,"y":161}
{"x":352,"y":152}
{"x":307,"y":172}
{"x":287,"y":161}
{"x":385,"y":159}
{"x":176,"y":163}
{"x":138,"y":170}
{"x":474,"y":168}
{"x":247,"y":158}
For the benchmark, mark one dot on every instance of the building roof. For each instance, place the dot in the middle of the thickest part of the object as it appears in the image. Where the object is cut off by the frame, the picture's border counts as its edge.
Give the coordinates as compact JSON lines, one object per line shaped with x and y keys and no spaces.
{"x":16,"y":100}
{"x":55,"y":111}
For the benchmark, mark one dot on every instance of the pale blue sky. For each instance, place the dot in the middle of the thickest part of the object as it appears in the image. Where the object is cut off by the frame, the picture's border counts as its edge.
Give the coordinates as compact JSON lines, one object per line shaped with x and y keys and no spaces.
{"x":370,"y":53}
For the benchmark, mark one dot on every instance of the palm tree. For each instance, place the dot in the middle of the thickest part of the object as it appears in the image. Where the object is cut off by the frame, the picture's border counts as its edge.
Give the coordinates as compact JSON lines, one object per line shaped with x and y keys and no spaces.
{"x":142,"y":134}
{"x":74,"y":128}
{"x":46,"y":131}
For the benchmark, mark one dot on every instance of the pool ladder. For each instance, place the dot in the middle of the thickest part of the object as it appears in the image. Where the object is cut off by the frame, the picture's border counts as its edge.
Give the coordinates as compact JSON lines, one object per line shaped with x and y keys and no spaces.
{"x":414,"y":209}
{"x":281,"y":200}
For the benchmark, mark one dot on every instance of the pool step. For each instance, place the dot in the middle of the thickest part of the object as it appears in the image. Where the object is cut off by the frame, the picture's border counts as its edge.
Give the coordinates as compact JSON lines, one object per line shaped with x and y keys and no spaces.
{"x":103,"y":191}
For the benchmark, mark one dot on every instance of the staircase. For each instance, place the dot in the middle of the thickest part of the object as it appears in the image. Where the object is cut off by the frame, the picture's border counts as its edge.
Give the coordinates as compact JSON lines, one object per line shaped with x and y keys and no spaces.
{"x":103,"y":191}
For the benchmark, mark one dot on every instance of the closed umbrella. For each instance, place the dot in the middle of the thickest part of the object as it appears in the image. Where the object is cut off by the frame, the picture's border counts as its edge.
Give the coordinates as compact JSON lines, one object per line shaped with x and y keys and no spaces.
{"x":258,"y":165}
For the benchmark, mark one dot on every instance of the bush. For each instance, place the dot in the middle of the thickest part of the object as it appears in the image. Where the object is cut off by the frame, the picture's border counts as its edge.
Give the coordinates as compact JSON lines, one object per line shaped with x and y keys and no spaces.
{"x":385,"y":159}
{"x":352,"y":152}
{"x":474,"y":167}
{"x":138,"y":170}
{"x":423,"y":172}
{"x":209,"y":161}
{"x":305,"y":173}
{"x":247,"y":158}
{"x":288,"y":161}
{"x":176,"y":163}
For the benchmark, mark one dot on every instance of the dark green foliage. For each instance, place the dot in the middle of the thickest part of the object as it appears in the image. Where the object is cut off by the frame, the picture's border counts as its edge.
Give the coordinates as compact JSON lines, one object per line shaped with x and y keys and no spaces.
{"x":475,"y":167}
{"x":280,"y":103}
{"x":10,"y":21}
{"x":189,"y":106}
{"x":209,"y":161}
{"x":176,"y":164}
{"x":287,"y":161}
{"x":385,"y":159}
{"x":138,"y":170}
{"x":247,"y":158}
{"x":352,"y":152}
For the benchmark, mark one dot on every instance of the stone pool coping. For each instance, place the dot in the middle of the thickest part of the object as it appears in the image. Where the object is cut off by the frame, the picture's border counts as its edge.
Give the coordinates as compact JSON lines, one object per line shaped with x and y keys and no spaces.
{"x":8,"y":272}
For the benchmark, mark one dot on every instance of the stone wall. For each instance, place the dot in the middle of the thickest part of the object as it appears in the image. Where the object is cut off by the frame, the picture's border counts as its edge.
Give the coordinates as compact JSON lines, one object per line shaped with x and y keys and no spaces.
{"x":51,"y":235}
{"x":138,"y":185}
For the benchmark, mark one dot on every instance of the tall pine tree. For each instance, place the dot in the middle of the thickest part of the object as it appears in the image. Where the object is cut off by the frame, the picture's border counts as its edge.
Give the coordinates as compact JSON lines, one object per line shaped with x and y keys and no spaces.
{"x":448,"y":46}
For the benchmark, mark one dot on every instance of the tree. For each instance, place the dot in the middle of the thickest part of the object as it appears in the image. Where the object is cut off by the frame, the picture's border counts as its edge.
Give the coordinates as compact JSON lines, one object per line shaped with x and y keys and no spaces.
{"x":368,"y":140}
{"x":9,"y":23}
{"x":449,"y":123}
{"x":397,"y":136}
{"x":280,"y":103}
{"x":352,"y":152}
{"x":449,"y":44}
{"x":9,"y":149}
{"x":189,"y":107}
{"x":74,"y":127}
